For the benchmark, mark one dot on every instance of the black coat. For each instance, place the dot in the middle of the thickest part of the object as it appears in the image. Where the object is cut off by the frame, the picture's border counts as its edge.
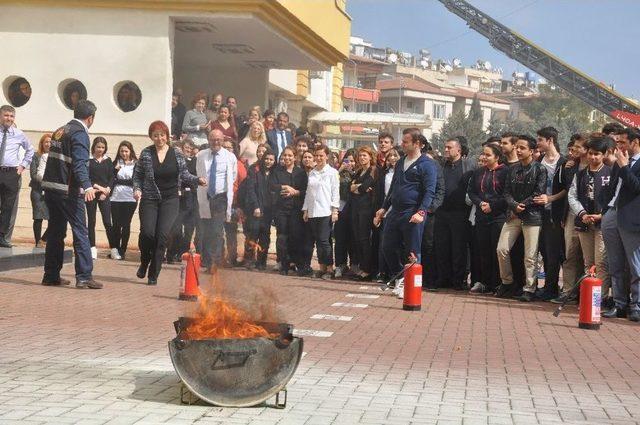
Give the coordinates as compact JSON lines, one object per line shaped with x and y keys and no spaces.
{"x":522,"y":185}
{"x":364,"y":198}
{"x":259,"y":194}
{"x":296,"y":179}
{"x":488,"y":186}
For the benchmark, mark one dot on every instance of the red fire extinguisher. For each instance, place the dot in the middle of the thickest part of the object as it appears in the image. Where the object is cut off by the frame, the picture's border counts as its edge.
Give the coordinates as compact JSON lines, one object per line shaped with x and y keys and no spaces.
{"x":590,"y":299}
{"x":412,"y":300}
{"x":189,"y":283}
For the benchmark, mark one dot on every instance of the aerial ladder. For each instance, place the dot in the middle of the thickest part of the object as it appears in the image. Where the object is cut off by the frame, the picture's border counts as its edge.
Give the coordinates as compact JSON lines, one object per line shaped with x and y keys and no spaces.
{"x":557,"y":72}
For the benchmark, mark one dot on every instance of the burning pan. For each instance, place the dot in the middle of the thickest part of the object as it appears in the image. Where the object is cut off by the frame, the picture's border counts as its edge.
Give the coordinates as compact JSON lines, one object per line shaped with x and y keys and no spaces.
{"x":236,"y":372}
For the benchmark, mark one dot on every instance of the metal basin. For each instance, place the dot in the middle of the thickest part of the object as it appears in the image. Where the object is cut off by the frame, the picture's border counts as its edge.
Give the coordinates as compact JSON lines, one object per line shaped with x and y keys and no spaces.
{"x":236,"y":372}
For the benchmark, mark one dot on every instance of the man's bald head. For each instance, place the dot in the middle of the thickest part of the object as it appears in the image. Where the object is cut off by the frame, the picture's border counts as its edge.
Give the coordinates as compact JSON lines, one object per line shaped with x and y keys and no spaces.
{"x":215,"y":140}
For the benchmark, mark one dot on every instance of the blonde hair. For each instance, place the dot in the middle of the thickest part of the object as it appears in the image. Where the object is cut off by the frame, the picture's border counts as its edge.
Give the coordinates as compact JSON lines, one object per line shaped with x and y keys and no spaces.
{"x":263,"y":135}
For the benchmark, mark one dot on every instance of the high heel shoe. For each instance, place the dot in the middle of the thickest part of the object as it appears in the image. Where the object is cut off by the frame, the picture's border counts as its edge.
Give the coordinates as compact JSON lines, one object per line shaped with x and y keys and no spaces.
{"x":142,"y":271}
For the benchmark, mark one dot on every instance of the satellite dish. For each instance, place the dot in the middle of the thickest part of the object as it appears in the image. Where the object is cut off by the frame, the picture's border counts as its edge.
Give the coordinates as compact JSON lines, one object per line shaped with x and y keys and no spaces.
{"x":425,"y":53}
{"x":424,"y":63}
{"x":448,"y":68}
{"x":457,"y":63}
{"x":393,"y":58}
{"x":487,"y":66}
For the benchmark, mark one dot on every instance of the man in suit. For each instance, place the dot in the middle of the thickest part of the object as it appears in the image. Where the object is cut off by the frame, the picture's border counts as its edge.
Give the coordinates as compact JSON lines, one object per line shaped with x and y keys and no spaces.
{"x":279,"y":137}
{"x":621,"y":227}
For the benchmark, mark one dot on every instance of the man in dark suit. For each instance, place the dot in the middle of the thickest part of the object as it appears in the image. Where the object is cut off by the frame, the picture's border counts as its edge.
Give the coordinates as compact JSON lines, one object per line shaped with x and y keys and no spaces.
{"x":279,"y":137}
{"x":621,"y":227}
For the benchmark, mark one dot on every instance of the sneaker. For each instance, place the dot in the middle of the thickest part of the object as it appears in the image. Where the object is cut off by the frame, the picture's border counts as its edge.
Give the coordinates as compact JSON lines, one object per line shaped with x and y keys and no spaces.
{"x":338,"y":272}
{"x":478,"y":288}
{"x":94,"y":253}
{"x":504,"y":291}
{"x":115,"y":255}
{"x":526,"y":297}
{"x":380,"y":278}
{"x":565,"y":298}
{"x":59,"y":282}
{"x":399,"y":289}
{"x":91,"y":284}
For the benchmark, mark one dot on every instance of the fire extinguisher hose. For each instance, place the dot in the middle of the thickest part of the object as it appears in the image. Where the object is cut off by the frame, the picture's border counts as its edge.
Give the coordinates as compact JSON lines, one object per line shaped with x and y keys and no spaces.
{"x":387,"y":284}
{"x":574,"y":292}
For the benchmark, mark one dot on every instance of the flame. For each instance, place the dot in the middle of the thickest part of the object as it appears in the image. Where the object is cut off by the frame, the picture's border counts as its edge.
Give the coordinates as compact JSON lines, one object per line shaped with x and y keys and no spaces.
{"x":217,"y":318}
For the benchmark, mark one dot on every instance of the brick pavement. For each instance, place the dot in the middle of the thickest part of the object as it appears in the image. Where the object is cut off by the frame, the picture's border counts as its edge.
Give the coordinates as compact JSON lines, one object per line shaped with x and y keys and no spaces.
{"x":95,"y":357}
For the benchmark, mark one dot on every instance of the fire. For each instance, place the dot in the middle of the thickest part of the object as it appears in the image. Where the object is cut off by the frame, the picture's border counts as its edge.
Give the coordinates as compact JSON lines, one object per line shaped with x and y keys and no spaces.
{"x":217,"y":318}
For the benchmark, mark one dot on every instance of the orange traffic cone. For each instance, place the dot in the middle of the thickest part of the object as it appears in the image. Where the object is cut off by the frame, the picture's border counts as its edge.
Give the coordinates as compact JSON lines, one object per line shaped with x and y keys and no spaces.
{"x":189,"y":283}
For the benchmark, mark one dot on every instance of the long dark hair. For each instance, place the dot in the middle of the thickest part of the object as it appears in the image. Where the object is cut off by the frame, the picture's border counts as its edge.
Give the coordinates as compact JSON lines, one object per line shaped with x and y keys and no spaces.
{"x":132,"y":153}
{"x":497,"y":152}
{"x":261,"y":165}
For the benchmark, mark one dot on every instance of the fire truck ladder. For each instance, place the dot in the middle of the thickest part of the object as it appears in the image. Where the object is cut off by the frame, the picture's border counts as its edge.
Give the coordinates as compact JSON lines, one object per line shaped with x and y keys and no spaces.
{"x":546,"y":64}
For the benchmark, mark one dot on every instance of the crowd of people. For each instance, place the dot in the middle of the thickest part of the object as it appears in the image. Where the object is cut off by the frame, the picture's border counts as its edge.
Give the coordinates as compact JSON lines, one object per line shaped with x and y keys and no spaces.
{"x":491,"y":223}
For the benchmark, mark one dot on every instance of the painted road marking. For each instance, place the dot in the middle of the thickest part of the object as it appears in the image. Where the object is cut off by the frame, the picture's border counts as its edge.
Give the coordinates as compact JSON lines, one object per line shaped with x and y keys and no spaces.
{"x":350,"y":305}
{"x":332,"y":317}
{"x":372,"y":288}
{"x":311,"y":332}
{"x":366,"y":296}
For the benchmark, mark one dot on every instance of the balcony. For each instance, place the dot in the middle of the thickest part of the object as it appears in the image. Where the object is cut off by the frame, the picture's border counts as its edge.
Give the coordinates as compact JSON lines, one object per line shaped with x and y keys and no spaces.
{"x":360,"y":95}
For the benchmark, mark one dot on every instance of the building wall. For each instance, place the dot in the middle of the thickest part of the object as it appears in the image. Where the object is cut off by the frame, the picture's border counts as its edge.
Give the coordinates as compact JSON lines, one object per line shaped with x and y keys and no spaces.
{"x":47,"y":48}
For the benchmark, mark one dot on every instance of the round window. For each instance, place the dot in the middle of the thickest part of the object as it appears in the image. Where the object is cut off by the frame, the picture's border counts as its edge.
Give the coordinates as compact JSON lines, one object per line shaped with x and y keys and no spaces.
{"x":127,"y":96}
{"x":17,"y":90}
{"x":71,"y":91}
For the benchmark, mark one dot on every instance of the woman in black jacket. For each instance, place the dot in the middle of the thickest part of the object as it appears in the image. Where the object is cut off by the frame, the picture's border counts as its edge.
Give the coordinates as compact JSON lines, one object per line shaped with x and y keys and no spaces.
{"x":157,"y":175}
{"x":342,"y":228}
{"x":289,"y":183}
{"x":486,"y":191}
{"x":260,"y":208}
{"x":382,"y":189}
{"x":102,"y":174}
{"x":363,"y":208}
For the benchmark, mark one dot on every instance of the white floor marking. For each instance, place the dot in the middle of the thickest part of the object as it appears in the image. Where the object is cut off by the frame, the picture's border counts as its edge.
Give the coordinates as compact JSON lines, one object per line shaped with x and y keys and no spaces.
{"x":372,"y":288}
{"x":365,"y":296}
{"x":349,"y":305}
{"x":332,"y":317}
{"x":311,"y":332}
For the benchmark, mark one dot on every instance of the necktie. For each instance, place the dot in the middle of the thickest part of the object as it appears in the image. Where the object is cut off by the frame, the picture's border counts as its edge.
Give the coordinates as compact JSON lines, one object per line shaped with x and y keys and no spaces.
{"x":211,"y":191}
{"x":3,"y":145}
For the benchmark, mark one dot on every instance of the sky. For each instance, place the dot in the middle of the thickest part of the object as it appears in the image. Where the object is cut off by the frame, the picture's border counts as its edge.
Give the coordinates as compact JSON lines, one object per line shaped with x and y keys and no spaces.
{"x":599,"y":37}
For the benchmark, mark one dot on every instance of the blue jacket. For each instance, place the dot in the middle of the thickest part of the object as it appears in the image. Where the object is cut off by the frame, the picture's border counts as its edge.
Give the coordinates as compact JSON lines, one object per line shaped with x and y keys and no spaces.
{"x":414,"y":189}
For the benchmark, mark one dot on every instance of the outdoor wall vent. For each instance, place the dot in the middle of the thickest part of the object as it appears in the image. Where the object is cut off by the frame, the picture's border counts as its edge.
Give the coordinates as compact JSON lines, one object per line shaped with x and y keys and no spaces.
{"x":234,"y":49}
{"x":263,"y":64}
{"x":195,"y":26}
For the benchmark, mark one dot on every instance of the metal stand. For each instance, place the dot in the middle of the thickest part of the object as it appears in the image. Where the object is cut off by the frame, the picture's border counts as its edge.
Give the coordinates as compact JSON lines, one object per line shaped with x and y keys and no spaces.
{"x":193,"y":399}
{"x":281,"y":405}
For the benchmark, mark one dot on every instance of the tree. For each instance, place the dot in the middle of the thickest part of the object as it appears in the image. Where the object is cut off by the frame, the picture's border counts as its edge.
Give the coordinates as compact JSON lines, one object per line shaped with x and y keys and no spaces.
{"x":461,"y":124}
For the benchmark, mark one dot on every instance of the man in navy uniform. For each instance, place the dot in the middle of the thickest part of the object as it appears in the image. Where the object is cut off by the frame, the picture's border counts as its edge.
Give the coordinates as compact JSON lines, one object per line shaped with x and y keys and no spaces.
{"x":412,"y":190}
{"x":67,"y":188}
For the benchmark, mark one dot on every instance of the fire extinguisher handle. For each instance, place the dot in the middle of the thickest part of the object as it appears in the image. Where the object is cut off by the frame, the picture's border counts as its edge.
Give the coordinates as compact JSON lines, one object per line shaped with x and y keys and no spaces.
{"x":592,"y":271}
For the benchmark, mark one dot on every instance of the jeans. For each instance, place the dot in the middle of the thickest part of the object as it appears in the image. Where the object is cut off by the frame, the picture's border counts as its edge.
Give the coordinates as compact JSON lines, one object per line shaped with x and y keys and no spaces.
{"x":401,"y":238}
{"x":212,"y":230}
{"x":122,"y":214}
{"x":487,"y":237}
{"x":508,"y":236}
{"x":156,"y":220}
{"x":623,"y":249}
{"x":321,"y":232}
{"x":289,"y":242}
{"x":63,"y":211}
{"x":552,"y":248}
{"x":105,"y":212}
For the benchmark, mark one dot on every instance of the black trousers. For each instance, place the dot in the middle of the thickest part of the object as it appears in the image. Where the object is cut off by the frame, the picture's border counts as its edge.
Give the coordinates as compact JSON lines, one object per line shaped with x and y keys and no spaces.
{"x":344,"y":242}
{"x":258,"y":230}
{"x":361,"y":223}
{"x":9,"y":187}
{"x":105,"y":212}
{"x":183,"y":229}
{"x":552,"y":247}
{"x":156,"y":220}
{"x":290,"y":238}
{"x":451,"y":236}
{"x":321,"y":233}
{"x":429,"y":274}
{"x":122,"y":214}
{"x":487,"y":236}
{"x":474,"y":256}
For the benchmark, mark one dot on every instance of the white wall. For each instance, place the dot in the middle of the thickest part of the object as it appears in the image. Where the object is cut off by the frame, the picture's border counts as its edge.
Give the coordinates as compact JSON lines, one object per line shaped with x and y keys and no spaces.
{"x":100,"y":48}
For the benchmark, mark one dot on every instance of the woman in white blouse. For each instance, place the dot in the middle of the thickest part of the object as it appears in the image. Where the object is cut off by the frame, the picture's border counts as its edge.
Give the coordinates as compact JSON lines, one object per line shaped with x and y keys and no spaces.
{"x":123,"y":204}
{"x":320,"y":208}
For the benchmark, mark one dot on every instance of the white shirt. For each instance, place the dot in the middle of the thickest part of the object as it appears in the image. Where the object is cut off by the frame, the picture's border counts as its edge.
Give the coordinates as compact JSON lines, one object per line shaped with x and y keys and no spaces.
{"x":122,"y":193}
{"x":387,"y":181}
{"x":323,"y":192}
{"x":408,"y":162}
{"x":551,"y":171}
{"x":226,"y":161}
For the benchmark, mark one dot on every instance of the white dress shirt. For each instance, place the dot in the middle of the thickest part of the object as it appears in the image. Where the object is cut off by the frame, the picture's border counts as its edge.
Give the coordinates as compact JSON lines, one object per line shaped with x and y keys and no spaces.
{"x":226,"y":174}
{"x":323,"y":192}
